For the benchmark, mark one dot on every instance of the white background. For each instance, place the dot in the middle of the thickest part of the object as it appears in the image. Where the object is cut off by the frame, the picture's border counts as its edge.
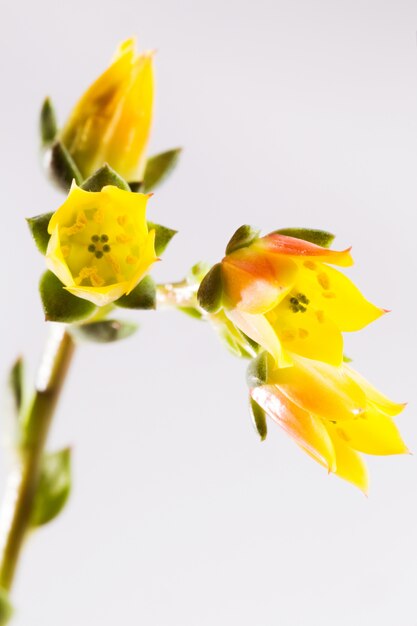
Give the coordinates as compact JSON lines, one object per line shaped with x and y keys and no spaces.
{"x":291,"y":113}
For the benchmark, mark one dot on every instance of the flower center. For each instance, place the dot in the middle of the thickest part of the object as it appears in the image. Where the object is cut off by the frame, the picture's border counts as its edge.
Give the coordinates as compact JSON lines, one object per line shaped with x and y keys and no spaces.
{"x":99,"y":246}
{"x":298,"y":303}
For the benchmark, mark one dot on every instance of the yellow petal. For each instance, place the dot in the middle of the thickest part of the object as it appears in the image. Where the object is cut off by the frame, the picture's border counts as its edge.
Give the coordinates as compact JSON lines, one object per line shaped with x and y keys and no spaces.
{"x":100,"y":296}
{"x":322,"y":389}
{"x":332,"y":292}
{"x":373,"y":433}
{"x":259,"y":329}
{"x":55,"y":261}
{"x":306,"y":429}
{"x":308,"y":334}
{"x":349,"y":464}
{"x":375,"y":397}
{"x":147,"y":258}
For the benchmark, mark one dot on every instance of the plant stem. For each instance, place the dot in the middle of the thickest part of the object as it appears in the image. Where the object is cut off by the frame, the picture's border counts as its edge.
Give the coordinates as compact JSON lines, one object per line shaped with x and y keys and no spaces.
{"x":22,"y":483}
{"x":179,"y":294}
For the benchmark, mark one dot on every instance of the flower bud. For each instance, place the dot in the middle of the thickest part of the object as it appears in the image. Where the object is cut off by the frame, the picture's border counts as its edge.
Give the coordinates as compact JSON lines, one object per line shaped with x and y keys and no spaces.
{"x":111,"y":121}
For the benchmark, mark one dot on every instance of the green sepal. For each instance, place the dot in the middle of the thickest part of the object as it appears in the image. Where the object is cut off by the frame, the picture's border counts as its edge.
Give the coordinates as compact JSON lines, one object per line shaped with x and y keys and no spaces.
{"x":61,"y":167}
{"x":135,"y":186}
{"x":6,"y":609}
{"x":38,"y":226}
{"x":242,"y":238}
{"x":17,"y":385}
{"x":163,"y":236}
{"x":105,"y":331}
{"x":210,"y":292}
{"x":347,"y":359}
{"x":60,"y":305}
{"x":105,"y":175}
{"x":319,"y":237}
{"x":190,"y":311}
{"x":257,"y":373}
{"x":143,"y":296}
{"x":158,"y":168}
{"x":259,"y":419}
{"x":48,"y":126}
{"x":54,"y":487}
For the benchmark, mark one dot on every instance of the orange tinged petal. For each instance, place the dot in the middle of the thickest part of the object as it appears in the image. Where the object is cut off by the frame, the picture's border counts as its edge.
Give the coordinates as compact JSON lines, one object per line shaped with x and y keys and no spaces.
{"x":306,"y":429}
{"x":284,"y":245}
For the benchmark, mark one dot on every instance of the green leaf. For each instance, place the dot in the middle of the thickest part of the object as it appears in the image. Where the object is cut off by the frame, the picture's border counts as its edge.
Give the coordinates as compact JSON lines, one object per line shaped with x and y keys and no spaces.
{"x":163,"y":236}
{"x":242,"y":238}
{"x":158,"y":168}
{"x":54,"y":487}
{"x":6,"y":609}
{"x":59,"y":304}
{"x":258,"y":419}
{"x":135,"y":186}
{"x":105,"y":331}
{"x":143,"y":296}
{"x":105,"y":175}
{"x":39,"y":228}
{"x":61,"y":167}
{"x":347,"y":359}
{"x":47,"y":123}
{"x":257,"y":372}
{"x":319,"y":237}
{"x":210,"y":292}
{"x":16,"y":384}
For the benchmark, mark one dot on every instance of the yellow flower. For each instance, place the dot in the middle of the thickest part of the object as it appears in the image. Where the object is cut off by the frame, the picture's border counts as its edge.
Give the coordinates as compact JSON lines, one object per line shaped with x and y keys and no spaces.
{"x":283,"y":294}
{"x":112,"y":120}
{"x":100,"y":247}
{"x":332,"y":413}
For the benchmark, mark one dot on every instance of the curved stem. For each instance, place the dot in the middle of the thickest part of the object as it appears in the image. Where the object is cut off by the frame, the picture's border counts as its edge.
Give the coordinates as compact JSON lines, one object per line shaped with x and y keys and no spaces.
{"x":178,"y":294}
{"x":22,"y":484}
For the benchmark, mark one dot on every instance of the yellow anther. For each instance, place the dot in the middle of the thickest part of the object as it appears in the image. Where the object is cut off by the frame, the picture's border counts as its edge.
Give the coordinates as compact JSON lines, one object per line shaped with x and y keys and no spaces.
{"x":131,"y":260}
{"x":80,"y":224}
{"x":328,"y":294}
{"x":303,"y":333}
{"x":98,"y":216}
{"x":123,"y":238}
{"x":115,"y":264}
{"x":324,"y":280}
{"x":320,"y":316}
{"x":91,"y":274}
{"x":288,"y":335}
{"x":65,"y":251}
{"x":310,"y":265}
{"x":122,"y":219}
{"x":342,"y":434}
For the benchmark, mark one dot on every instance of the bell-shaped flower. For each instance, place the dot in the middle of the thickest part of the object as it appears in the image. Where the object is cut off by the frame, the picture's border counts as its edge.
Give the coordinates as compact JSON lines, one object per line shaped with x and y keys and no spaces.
{"x":111,"y":122}
{"x":100,"y":247}
{"x":333,"y":414}
{"x":283,"y":293}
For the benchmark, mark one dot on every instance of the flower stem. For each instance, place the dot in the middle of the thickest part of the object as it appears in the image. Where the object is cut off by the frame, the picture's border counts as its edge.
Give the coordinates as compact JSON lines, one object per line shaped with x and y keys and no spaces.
{"x":21,"y":488}
{"x":179,"y":294}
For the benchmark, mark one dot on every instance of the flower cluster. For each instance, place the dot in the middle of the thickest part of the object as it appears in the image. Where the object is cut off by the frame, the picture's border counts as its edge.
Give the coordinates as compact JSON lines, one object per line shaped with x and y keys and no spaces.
{"x":281,"y":294}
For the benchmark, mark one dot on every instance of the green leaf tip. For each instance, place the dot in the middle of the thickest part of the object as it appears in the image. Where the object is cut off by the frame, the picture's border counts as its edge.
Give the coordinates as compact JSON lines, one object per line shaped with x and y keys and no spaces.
{"x":259,"y":419}
{"x":319,"y":237}
{"x":17,"y":384}
{"x":59,"y":304}
{"x":48,"y":126}
{"x":143,"y":296}
{"x":210,"y":292}
{"x":163,"y":236}
{"x":158,"y":167}
{"x":54,"y":487}
{"x":106,"y":331}
{"x":61,"y":167}
{"x":257,"y":372}
{"x":38,"y":227}
{"x":242,"y":238}
{"x":102,"y":177}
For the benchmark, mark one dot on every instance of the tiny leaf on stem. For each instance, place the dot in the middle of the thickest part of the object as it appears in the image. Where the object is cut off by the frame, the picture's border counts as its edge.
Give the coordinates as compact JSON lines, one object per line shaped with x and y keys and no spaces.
{"x":105,"y":331}
{"x":39,"y":228}
{"x":104,"y":176}
{"x":319,"y":237}
{"x":53,"y":488}
{"x":163,"y":236}
{"x":158,"y":168}
{"x":143,"y":296}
